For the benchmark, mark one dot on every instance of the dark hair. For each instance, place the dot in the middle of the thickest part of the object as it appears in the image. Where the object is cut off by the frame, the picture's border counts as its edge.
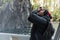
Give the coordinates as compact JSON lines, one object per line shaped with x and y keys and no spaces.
{"x":40,"y":7}
{"x":45,"y":12}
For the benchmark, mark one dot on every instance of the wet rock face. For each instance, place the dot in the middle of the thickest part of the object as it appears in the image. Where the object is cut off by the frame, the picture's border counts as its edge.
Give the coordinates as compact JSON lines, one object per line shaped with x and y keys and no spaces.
{"x":14,"y":17}
{"x":57,"y":35}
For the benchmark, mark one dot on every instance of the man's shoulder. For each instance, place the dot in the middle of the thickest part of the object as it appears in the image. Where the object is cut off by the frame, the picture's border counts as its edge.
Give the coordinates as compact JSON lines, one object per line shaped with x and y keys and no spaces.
{"x":34,"y":11}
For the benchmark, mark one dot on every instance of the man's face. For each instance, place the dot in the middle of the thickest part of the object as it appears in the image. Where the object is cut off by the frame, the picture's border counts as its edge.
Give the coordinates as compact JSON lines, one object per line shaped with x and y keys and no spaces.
{"x":41,"y":13}
{"x":40,"y":8}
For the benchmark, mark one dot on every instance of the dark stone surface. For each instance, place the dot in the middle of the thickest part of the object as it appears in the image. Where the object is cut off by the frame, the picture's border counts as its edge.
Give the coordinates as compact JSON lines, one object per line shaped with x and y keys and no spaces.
{"x":14,"y":17}
{"x":57,"y":36}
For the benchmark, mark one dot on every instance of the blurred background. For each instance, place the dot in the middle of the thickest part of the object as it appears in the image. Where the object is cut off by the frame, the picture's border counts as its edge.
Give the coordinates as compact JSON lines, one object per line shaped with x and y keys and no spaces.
{"x":14,"y":14}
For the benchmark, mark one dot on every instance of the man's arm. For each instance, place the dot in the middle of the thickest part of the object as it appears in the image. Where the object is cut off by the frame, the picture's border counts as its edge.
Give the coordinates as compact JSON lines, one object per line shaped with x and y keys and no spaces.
{"x":34,"y":18}
{"x":46,"y":17}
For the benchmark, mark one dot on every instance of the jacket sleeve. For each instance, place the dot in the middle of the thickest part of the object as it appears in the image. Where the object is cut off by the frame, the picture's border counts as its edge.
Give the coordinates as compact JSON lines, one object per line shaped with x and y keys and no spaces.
{"x":46,"y":17}
{"x":34,"y":18}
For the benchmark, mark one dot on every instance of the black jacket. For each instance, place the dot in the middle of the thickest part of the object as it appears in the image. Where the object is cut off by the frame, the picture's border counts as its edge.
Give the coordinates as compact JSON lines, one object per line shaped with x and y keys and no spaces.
{"x":39,"y":24}
{"x":34,"y":18}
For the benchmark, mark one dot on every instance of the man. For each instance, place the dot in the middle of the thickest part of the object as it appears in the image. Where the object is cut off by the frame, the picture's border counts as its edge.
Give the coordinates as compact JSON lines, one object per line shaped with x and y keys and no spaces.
{"x":39,"y":20}
{"x":49,"y":14}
